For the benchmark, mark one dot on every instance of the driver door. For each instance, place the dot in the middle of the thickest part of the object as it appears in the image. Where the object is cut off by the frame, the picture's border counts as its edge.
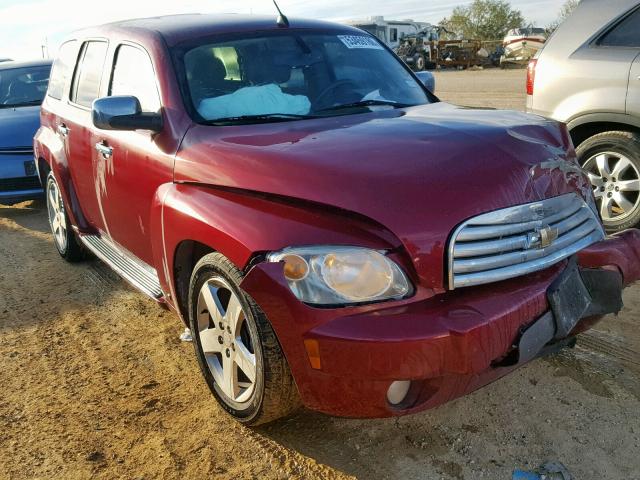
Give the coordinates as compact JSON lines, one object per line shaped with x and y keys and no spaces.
{"x":132,"y":163}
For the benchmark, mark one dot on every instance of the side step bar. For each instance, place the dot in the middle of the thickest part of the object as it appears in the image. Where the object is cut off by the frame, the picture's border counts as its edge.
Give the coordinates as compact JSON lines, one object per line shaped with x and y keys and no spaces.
{"x":133,"y":270}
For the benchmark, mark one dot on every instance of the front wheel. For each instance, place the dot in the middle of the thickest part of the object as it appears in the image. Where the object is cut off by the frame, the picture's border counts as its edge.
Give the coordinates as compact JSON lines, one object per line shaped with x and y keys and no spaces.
{"x":612,"y":162}
{"x":237,"y":349}
{"x":64,"y":237}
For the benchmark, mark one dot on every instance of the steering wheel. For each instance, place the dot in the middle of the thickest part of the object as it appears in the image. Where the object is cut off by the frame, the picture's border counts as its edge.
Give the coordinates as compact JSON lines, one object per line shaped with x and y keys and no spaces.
{"x":321,"y":98}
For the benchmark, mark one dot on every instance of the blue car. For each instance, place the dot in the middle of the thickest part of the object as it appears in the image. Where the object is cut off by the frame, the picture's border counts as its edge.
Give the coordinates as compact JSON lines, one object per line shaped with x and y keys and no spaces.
{"x":23,"y":86}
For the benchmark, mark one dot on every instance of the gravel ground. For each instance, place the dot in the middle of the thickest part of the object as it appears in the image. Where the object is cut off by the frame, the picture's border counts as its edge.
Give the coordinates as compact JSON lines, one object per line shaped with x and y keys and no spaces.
{"x":483,"y":88}
{"x":95,"y":384}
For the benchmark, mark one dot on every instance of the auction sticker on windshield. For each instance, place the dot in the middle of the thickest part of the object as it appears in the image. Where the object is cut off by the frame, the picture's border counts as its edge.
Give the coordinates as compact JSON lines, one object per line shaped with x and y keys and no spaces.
{"x":359,"y":41}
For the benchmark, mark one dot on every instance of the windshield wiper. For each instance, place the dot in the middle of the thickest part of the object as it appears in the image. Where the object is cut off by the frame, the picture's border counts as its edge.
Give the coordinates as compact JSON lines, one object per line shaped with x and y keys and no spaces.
{"x":21,"y":104}
{"x":365,"y":103}
{"x":262,"y":118}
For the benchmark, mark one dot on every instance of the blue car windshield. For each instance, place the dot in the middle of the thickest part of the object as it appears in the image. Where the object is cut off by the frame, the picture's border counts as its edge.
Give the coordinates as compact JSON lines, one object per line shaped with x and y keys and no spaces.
{"x":23,"y":86}
{"x":292,"y":75}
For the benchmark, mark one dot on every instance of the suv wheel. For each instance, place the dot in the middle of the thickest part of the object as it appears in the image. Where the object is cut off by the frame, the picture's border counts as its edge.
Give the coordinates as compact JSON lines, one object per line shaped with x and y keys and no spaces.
{"x":612,"y":161}
{"x":237,"y":350}
{"x":64,"y":237}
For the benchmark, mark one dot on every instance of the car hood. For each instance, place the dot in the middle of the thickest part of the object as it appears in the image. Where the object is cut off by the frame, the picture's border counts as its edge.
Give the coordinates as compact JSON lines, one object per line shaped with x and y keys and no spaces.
{"x":18,"y":126}
{"x":419,"y":172}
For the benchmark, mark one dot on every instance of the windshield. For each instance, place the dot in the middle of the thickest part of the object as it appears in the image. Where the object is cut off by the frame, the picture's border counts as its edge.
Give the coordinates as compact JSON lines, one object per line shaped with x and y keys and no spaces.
{"x":291,"y":75}
{"x":23,"y":86}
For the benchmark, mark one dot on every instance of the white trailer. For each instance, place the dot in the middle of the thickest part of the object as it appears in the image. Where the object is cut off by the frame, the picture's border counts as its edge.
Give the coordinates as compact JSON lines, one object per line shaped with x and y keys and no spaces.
{"x":390,"y":32}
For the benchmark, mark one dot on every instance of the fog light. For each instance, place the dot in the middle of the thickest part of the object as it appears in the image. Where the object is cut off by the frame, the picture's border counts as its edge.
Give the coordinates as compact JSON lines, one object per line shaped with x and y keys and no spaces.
{"x":398,"y":391}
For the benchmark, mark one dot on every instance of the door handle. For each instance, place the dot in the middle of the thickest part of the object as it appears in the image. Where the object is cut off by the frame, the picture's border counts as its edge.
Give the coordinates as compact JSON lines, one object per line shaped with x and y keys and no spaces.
{"x":104,"y":149}
{"x":63,"y":130}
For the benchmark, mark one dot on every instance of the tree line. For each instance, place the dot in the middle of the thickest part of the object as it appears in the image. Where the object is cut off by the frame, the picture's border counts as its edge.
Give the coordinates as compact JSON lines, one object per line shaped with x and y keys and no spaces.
{"x":492,"y":19}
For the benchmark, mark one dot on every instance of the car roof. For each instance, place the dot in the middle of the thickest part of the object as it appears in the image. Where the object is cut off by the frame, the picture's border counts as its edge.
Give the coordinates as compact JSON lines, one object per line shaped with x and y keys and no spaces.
{"x":587,"y":22}
{"x":177,"y":28}
{"x":33,"y":63}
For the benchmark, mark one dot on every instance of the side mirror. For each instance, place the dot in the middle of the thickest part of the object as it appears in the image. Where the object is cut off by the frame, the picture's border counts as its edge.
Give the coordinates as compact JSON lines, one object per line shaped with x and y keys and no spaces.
{"x":123,"y":113}
{"x":428,"y":80}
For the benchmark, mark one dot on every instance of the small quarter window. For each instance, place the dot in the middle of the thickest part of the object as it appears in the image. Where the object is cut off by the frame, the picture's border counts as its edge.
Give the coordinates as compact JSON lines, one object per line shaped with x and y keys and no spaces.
{"x":86,"y":82}
{"x":625,"y":34}
{"x":61,"y":71}
{"x":133,"y":75}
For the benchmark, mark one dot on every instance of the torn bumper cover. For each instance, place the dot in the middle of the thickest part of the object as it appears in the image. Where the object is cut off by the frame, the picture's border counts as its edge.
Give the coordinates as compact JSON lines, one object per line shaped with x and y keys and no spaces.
{"x":447,"y":345}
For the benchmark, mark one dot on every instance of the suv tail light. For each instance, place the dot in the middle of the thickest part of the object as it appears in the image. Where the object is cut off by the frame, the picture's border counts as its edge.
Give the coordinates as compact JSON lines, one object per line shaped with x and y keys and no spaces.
{"x":531,"y":76}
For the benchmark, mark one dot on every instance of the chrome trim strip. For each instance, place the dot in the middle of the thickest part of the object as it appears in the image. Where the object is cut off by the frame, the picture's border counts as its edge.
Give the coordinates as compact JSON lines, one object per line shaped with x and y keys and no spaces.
{"x":134,"y":271}
{"x":497,"y":275}
{"x":524,"y":256}
{"x":501,"y":244}
{"x":473,"y":233}
{"x":17,"y":151}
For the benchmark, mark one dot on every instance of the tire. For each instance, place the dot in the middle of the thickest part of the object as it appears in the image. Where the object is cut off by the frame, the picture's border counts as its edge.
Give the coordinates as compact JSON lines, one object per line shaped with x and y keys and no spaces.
{"x":612,"y":160}
{"x":273,"y":393}
{"x":420,"y":63}
{"x":64,"y":238}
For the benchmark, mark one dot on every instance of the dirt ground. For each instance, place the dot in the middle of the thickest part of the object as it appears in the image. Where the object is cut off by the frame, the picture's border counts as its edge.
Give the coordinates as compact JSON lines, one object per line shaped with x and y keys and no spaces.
{"x":94,"y":383}
{"x":483,"y":88}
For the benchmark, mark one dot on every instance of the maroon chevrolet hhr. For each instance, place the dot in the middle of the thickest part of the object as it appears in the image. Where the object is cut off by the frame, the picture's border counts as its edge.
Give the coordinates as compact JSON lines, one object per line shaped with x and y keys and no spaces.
{"x":330,"y":232}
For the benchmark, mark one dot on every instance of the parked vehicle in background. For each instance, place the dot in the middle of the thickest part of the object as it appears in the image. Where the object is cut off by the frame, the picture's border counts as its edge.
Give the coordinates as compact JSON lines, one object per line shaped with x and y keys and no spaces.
{"x":22,"y":89}
{"x":521,"y":45}
{"x":588,"y":76}
{"x":391,"y":32}
{"x":286,"y":188}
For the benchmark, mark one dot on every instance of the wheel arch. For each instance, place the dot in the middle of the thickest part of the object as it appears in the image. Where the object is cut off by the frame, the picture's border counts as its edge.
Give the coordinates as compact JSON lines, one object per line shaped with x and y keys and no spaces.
{"x":242,"y":226}
{"x":187,"y":254}
{"x":586,"y":126}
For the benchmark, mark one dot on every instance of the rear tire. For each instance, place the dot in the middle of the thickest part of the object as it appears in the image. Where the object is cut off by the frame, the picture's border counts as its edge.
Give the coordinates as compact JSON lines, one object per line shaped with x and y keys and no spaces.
{"x":64,"y":238}
{"x":612,"y":160}
{"x":244,"y":365}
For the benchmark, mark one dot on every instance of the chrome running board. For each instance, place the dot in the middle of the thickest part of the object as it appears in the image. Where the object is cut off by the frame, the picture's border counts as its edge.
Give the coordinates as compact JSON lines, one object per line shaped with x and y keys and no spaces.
{"x":133,"y":270}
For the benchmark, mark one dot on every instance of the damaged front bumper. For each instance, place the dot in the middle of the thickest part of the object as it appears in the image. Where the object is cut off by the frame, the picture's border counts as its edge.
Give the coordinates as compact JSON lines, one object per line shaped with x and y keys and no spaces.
{"x":447,"y":345}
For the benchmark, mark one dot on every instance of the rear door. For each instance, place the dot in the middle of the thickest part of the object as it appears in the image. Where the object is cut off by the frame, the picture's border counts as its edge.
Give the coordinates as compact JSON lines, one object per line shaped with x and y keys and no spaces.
{"x":626,"y":37}
{"x":633,"y":97}
{"x":129,"y":177}
{"x":77,"y":124}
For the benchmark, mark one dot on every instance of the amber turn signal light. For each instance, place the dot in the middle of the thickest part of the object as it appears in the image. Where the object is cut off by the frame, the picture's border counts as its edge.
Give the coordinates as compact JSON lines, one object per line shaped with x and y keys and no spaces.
{"x":295,"y":267}
{"x":313,"y":351}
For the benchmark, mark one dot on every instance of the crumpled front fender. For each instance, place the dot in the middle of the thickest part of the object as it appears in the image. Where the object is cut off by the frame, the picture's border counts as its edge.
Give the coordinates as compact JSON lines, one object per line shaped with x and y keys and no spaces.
{"x":621,"y":250}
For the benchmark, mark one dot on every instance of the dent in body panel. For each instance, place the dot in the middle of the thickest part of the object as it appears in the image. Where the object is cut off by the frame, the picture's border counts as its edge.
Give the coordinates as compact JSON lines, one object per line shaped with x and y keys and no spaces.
{"x":407,"y":169}
{"x":241,"y":224}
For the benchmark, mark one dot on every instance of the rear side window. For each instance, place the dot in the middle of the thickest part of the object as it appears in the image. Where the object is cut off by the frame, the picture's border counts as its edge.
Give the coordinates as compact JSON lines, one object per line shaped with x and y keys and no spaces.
{"x":61,"y":71}
{"x":86,"y":82}
{"x":625,"y":34}
{"x":133,"y":75}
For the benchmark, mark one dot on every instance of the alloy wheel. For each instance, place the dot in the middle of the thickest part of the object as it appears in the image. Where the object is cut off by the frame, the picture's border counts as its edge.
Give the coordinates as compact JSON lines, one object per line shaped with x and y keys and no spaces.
{"x":226,"y":340}
{"x":616,"y":185}
{"x":57,"y":218}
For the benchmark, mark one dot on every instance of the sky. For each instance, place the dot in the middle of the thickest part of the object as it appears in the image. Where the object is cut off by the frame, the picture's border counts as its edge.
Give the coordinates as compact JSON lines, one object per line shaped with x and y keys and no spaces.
{"x":25,"y":25}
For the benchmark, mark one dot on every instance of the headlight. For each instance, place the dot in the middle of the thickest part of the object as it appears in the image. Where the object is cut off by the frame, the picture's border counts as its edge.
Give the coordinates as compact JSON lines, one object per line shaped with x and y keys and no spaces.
{"x":341,"y":275}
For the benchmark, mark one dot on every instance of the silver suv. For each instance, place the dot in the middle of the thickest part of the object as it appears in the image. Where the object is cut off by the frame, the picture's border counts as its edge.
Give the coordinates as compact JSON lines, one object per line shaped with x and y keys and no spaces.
{"x":588,"y":76}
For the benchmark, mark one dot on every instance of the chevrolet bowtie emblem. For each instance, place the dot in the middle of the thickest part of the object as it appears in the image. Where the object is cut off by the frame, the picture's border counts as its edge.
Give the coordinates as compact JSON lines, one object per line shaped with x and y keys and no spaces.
{"x":547,"y":235}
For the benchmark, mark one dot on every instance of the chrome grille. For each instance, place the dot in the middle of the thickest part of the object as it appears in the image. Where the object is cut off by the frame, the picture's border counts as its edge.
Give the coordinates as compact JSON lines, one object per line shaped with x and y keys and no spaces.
{"x":518,"y":240}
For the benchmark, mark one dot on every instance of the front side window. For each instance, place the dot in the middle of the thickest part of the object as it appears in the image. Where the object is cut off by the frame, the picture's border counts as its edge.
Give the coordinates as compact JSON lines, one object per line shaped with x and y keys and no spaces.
{"x":62,"y":68}
{"x":24,"y":86}
{"x":625,"y":34}
{"x":133,"y":75}
{"x":293,"y":74}
{"x":86,"y":82}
